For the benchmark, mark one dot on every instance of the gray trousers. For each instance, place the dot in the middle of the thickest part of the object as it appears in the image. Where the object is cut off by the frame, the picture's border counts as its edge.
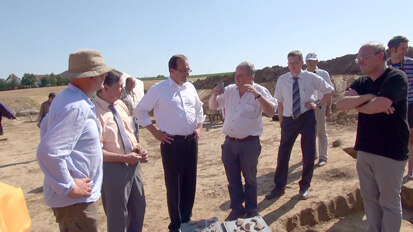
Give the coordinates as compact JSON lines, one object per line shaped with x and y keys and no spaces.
{"x":123,"y":197}
{"x":241,"y":158}
{"x":380,"y":185}
{"x":320,"y":117}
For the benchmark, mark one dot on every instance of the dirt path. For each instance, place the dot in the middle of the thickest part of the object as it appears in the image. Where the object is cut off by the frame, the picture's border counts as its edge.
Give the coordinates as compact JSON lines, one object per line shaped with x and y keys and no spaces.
{"x":18,"y":167}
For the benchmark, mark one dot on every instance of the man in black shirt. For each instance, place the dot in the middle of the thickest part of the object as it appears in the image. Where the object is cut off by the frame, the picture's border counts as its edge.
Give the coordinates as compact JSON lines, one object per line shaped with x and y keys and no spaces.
{"x":382,"y":136}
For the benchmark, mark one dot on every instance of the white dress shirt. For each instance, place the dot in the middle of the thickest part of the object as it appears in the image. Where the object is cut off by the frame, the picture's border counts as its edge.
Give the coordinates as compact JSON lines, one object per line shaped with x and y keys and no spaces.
{"x":70,"y":148}
{"x":324,"y":74}
{"x":177,"y":109}
{"x":243,"y":115}
{"x":308,"y":83}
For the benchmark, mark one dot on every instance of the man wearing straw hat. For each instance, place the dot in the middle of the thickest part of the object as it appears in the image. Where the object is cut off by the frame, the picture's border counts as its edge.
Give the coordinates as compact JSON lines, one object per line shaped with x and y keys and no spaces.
{"x":70,"y":153}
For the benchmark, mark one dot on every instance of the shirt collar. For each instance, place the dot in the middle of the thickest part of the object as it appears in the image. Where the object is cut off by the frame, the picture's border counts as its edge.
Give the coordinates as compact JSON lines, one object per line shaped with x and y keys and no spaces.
{"x":81,"y":93}
{"x":299,"y":75}
{"x":173,"y":83}
{"x":104,"y":103}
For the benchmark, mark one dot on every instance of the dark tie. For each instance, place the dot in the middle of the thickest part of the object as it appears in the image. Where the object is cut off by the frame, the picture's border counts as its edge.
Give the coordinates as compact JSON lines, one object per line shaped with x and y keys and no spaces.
{"x":121,"y":128}
{"x":296,"y":98}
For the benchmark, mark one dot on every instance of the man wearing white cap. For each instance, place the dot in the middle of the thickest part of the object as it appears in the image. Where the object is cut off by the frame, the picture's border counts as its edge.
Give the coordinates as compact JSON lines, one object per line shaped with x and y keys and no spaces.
{"x":70,"y":153}
{"x":321,"y":112}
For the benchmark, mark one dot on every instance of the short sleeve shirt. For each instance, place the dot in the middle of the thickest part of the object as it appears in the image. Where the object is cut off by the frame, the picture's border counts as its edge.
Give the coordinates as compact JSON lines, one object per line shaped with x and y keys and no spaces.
{"x":383,"y":134}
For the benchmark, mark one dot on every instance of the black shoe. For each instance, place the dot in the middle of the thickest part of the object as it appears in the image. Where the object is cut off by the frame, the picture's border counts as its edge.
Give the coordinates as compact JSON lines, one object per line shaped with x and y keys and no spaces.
{"x":275,"y":193}
{"x":252,"y":213}
{"x":304,"y":194}
{"x":234,"y":215}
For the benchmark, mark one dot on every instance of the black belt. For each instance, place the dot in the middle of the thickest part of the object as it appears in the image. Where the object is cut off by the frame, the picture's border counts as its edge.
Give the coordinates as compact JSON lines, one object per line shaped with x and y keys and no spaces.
{"x":183,"y":136}
{"x":250,"y":137}
{"x":294,"y":118}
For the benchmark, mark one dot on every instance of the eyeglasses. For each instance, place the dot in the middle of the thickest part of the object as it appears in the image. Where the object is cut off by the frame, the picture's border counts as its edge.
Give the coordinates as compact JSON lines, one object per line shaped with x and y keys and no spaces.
{"x":364,"y":58}
{"x":187,"y":70}
{"x":293,"y":63}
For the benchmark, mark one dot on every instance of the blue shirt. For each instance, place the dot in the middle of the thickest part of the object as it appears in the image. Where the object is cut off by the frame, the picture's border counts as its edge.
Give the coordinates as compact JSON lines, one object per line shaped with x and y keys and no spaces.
{"x":70,"y":148}
{"x":406,"y":65}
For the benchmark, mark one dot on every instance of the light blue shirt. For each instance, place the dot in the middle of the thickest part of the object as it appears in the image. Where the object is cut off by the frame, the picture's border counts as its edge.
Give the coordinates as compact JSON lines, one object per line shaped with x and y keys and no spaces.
{"x":70,"y":148}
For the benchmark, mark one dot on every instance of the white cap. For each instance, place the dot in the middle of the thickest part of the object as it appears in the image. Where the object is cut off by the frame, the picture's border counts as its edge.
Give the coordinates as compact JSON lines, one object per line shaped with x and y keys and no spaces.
{"x":311,"y":56}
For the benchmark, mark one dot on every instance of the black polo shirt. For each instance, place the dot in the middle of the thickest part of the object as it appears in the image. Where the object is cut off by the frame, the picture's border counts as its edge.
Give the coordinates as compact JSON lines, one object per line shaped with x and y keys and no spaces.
{"x":383,"y":134}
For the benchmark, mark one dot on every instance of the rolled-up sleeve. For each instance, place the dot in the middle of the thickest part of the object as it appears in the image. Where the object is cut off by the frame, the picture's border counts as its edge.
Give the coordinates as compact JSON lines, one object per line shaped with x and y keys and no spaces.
{"x":266,"y":94}
{"x":146,"y":104}
{"x":53,"y":152}
{"x":322,"y":85}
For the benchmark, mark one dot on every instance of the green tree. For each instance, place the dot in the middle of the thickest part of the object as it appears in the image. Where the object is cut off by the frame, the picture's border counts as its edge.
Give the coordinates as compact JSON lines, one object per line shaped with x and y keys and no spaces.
{"x":28,"y":80}
{"x":13,"y":84}
{"x":3,"y":84}
{"x":52,"y":79}
{"x":44,"y":82}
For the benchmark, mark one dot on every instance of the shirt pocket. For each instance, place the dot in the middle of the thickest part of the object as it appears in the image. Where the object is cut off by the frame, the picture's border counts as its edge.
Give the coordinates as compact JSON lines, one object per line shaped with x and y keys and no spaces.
{"x":249,"y":111}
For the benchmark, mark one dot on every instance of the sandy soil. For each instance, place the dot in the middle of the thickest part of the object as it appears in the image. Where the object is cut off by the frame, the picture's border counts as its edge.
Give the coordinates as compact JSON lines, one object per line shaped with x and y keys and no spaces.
{"x":337,"y":180}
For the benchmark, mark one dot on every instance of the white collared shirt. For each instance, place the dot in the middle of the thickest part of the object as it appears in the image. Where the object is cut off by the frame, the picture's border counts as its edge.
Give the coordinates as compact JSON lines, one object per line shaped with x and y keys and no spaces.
{"x":308,"y":83}
{"x":324,"y":74}
{"x":243,"y":115}
{"x":177,"y":109}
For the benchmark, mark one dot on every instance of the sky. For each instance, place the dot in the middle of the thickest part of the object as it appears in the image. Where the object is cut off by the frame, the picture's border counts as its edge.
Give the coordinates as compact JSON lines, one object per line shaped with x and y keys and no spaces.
{"x":139,"y":37}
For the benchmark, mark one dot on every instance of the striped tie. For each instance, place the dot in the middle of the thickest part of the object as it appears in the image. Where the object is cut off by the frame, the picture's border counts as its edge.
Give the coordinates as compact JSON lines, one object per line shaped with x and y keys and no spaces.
{"x":296,"y":99}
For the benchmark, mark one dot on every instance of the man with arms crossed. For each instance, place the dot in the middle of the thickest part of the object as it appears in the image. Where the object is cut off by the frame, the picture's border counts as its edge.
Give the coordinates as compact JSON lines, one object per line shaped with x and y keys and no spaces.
{"x":244,"y":102}
{"x":399,"y":46}
{"x":179,"y":116}
{"x":70,"y":153}
{"x":382,"y":136}
{"x":321,"y":112}
{"x":296,"y":103}
{"x":123,"y":196}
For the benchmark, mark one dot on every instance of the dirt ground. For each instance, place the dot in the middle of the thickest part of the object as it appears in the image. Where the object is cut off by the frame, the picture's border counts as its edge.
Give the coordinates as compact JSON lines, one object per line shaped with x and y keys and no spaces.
{"x":330,"y":185}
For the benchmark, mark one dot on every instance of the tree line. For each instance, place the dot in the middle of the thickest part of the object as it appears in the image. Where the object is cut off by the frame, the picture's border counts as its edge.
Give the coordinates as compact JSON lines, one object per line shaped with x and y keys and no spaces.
{"x":31,"y":81}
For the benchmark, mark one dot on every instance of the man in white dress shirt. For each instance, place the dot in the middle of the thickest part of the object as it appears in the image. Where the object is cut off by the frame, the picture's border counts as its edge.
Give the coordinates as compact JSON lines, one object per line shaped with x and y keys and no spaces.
{"x":321,"y":112}
{"x":296,"y":103}
{"x":244,"y":103}
{"x":179,"y":116}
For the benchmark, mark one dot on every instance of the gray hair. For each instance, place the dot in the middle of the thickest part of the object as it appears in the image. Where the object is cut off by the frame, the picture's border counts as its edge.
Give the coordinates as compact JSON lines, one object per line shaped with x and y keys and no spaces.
{"x":296,"y":53}
{"x":249,"y":66}
{"x":378,"y":48}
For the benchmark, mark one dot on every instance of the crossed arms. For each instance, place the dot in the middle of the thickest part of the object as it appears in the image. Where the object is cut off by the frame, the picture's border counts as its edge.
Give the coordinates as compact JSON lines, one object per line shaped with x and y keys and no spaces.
{"x":366,"y":103}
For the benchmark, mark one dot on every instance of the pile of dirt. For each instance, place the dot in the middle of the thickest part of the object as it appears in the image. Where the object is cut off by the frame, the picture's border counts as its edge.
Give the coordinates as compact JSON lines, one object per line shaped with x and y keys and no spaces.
{"x":344,"y":65}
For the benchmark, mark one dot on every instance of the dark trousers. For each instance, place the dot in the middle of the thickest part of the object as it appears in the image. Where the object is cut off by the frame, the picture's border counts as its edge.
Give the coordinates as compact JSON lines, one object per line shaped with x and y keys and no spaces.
{"x":179,"y":161}
{"x":77,"y":218}
{"x":290,"y":128}
{"x":241,"y":157}
{"x":123,"y":197}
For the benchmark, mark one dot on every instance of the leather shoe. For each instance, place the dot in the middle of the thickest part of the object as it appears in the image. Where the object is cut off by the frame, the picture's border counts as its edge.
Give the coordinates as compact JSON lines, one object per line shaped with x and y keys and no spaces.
{"x":252,"y":213}
{"x":304,"y":194}
{"x":275,"y":193}
{"x":234,"y":215}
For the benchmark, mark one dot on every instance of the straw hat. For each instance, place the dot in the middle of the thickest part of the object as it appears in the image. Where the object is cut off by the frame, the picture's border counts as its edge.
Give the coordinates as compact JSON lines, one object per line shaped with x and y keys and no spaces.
{"x":86,"y":63}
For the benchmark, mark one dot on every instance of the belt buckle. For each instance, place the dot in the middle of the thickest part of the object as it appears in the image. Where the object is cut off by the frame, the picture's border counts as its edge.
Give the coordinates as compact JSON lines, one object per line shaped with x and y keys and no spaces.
{"x":293,"y":117}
